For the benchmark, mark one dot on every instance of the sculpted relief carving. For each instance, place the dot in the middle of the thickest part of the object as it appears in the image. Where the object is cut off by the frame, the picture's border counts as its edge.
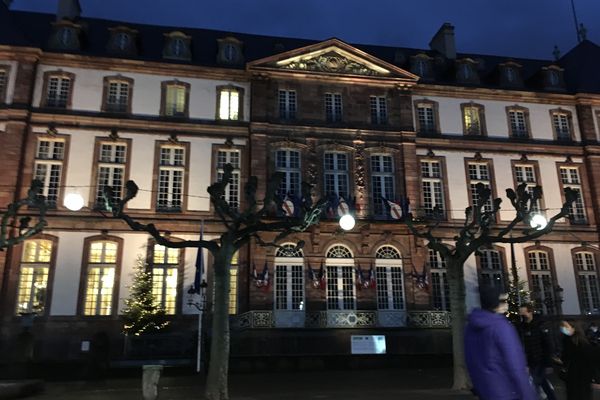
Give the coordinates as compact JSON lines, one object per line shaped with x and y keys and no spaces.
{"x":333,"y":63}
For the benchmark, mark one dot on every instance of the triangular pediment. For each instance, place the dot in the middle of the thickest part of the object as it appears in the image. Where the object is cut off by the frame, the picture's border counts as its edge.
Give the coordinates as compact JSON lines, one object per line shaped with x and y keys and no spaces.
{"x":332,"y":57}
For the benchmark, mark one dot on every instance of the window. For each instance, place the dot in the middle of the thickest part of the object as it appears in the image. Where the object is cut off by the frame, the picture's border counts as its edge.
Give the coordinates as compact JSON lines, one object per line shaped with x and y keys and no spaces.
{"x":569,"y":177}
{"x":525,"y":173}
{"x":510,"y":74}
{"x":288,"y":162}
{"x":473,"y":119}
{"x":542,"y":285}
{"x":491,"y":268}
{"x":427,"y":117}
{"x":177,"y":46}
{"x":100,"y":282}
{"x":340,"y":279}
{"x":382,"y":178}
{"x":587,"y":276}
{"x":175,"y":99}
{"x":48,"y":167}
{"x":171,"y":171}
{"x":112,"y":159}
{"x":333,"y":107}
{"x":33,"y":276}
{"x":421,"y":65}
{"x":561,"y":122}
{"x":230,"y":51}
{"x":165,"y":268}
{"x":518,"y":119}
{"x":122,"y":41}
{"x":466,"y":71}
{"x":232,"y":191}
{"x":389,"y":278}
{"x":439,"y":281}
{"x":289,"y":279}
{"x":432,"y":185}
{"x":233,"y":284}
{"x":58,"y":90}
{"x":378,"y":110}
{"x":287,"y":104}
{"x":3,"y":83}
{"x":117,"y":95}
{"x":336,"y":174}
{"x":479,"y":173}
{"x":230,"y":104}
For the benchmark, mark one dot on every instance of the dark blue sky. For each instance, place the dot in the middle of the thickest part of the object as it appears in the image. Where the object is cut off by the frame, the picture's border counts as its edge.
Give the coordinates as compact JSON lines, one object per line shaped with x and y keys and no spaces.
{"x":518,"y":28}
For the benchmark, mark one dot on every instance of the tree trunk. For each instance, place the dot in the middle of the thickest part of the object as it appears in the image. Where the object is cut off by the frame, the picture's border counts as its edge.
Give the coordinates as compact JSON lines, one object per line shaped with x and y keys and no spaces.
{"x":218,"y":368}
{"x":458,"y":309}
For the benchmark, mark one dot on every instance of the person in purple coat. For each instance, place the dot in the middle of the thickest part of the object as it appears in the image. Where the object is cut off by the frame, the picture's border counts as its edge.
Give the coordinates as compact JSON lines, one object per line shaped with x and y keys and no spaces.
{"x":493,"y":351}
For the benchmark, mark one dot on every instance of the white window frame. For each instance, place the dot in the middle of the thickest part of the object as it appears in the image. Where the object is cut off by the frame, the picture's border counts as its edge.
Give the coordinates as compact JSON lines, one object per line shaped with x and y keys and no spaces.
{"x":58,"y":91}
{"x":333,"y":107}
{"x":383,"y":182}
{"x":287,"y":104}
{"x":38,"y":285}
{"x":164,"y":288}
{"x":542,"y":283}
{"x":288,"y":292}
{"x":440,"y":290}
{"x":170,"y":169}
{"x":587,"y":276}
{"x":117,"y":95}
{"x":489,"y":274}
{"x":426,"y":117}
{"x":526,"y":173}
{"x":232,"y":191}
{"x":379,"y":114}
{"x":570,"y":177}
{"x":432,"y":185}
{"x":340,"y":277}
{"x":562,"y":125}
{"x":112,"y":162}
{"x":175,"y":100}
{"x":389,"y":275}
{"x":107,"y":270}
{"x":48,"y":168}
{"x":476,"y":175}
{"x":518,"y":123}
{"x":290,"y":184}
{"x":335,"y":175}
{"x":472,"y":120}
{"x":229,"y":103}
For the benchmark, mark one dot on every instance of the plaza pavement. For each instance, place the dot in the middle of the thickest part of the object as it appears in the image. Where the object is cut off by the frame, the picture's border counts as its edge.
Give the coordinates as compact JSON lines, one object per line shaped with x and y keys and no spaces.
{"x":380,"y":384}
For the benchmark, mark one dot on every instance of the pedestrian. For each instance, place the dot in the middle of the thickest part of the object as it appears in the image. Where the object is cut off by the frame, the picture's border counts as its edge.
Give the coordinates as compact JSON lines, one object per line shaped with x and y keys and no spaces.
{"x":539,"y":349}
{"x":493,"y":352}
{"x":579,"y":359}
{"x":593,"y":334}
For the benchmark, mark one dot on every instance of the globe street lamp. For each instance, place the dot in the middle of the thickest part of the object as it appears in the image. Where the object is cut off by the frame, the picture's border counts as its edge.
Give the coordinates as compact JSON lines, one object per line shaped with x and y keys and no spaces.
{"x":347,"y":222}
{"x":538,"y":222}
{"x":74,"y":201}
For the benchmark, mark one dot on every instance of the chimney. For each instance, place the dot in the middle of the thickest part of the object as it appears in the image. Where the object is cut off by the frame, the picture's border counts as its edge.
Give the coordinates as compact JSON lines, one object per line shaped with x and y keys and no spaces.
{"x":68,"y":9}
{"x":443,"y":41}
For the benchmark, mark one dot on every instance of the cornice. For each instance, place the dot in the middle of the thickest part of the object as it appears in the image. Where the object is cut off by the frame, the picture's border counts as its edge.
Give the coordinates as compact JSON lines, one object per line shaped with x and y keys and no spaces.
{"x":270,"y":73}
{"x":145,"y":126}
{"x":18,"y":53}
{"x":139,"y":66}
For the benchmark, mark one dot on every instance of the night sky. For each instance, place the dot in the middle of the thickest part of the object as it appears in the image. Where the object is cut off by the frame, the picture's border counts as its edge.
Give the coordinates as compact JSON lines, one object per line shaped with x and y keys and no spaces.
{"x":518,"y":28}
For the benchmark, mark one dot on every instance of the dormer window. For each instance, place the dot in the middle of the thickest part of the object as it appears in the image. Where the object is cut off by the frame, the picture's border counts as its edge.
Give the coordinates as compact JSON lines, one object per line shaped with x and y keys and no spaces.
{"x":122,"y":41}
{"x":466,"y":71}
{"x":65,"y":36}
{"x":421,"y":66}
{"x":510,"y":74}
{"x":177,"y":46}
{"x":553,"y":77}
{"x":230,"y":51}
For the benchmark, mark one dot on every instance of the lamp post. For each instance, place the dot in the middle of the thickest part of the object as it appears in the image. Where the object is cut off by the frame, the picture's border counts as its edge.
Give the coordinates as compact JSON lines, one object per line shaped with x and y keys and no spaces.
{"x":198,"y":300}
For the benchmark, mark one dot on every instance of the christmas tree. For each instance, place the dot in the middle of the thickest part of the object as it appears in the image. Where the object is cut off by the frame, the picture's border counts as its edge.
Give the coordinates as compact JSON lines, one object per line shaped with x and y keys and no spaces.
{"x":518,"y":295}
{"x":142,"y":314}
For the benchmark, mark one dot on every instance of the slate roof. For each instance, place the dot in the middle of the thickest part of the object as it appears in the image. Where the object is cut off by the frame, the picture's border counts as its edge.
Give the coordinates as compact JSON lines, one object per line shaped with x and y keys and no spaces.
{"x":22,"y":28}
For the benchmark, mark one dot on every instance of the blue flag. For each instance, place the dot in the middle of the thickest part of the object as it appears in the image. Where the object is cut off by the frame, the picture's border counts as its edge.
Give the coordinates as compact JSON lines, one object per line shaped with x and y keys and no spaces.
{"x":199,"y":263}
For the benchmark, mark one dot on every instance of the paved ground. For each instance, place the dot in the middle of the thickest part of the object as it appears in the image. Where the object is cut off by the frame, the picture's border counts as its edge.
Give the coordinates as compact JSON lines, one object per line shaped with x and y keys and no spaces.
{"x":385,"y":384}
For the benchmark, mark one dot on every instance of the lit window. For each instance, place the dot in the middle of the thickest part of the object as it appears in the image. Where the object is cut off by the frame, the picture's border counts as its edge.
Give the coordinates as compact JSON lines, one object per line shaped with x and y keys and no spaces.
{"x":102,"y":264}
{"x":229,"y":104}
{"x":33,"y":276}
{"x":233,"y":284}
{"x":175,"y":101}
{"x":165,"y":266}
{"x":472,"y":120}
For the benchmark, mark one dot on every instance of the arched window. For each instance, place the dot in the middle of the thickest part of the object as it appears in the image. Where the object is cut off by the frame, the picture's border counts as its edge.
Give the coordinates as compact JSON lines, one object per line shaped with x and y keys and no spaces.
{"x":33,"y":276}
{"x":341,"y":293}
{"x":289,"y":278}
{"x":542,"y":284}
{"x":587,"y":279}
{"x":439,"y":281}
{"x":389,"y":278}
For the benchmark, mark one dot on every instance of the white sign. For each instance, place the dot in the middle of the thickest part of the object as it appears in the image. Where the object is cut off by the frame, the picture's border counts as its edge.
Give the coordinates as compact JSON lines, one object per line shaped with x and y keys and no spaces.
{"x":368,"y":344}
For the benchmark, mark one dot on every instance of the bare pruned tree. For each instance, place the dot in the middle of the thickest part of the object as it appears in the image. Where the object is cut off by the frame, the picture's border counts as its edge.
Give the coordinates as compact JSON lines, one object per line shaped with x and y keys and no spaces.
{"x":481,"y":230}
{"x":14,"y":228}
{"x":241,"y":226}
